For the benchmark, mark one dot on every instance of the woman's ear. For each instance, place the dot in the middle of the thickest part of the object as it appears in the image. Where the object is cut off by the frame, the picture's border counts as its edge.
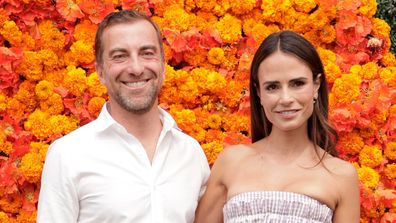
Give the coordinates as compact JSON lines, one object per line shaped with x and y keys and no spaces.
{"x":317,"y":84}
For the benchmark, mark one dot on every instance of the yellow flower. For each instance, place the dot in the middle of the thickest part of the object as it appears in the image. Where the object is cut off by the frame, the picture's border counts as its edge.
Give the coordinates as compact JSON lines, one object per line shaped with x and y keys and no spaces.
{"x":390,"y":171}
{"x":26,"y":216}
{"x":368,"y":8}
{"x":389,"y":60}
{"x":212,"y":150}
{"x":390,"y":150}
{"x":206,"y":5}
{"x":242,"y":7}
{"x":327,"y":34}
{"x":3,"y":102}
{"x":304,"y":5}
{"x":75,"y":80}
{"x":176,"y":18}
{"x":221,"y":7}
{"x":85,"y":31}
{"x":41,"y":148}
{"x":10,"y":31}
{"x":261,"y":31}
{"x":332,"y":71}
{"x":229,"y":28}
{"x":50,"y":60}
{"x":44,"y":89}
{"x":326,"y":55}
{"x":53,"y":105}
{"x":233,"y":122}
{"x":82,"y":52}
{"x":61,"y":124}
{"x":51,"y":37}
{"x":31,"y":66}
{"x":371,"y":156}
{"x":214,"y":121}
{"x":95,"y":87}
{"x":368,"y":176}
{"x":347,"y":88}
{"x":216,"y":56}
{"x":31,"y":167}
{"x":37,"y":124}
{"x":95,"y":105}
{"x":388,"y":74}
{"x":350,"y":143}
{"x":369,"y":71}
{"x":4,"y":217}
{"x":380,"y":27}
{"x":273,"y":11}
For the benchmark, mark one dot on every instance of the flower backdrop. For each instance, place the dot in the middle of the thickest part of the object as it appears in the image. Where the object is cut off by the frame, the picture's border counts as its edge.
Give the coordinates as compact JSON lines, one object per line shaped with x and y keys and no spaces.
{"x":49,"y":87}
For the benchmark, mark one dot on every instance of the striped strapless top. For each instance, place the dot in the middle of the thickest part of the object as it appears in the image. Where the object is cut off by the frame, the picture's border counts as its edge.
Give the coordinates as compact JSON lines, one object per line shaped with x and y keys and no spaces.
{"x":275,"y":207}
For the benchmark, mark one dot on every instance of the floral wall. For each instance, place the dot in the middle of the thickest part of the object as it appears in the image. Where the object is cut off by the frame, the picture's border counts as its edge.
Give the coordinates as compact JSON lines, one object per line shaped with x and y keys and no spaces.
{"x":49,"y":87}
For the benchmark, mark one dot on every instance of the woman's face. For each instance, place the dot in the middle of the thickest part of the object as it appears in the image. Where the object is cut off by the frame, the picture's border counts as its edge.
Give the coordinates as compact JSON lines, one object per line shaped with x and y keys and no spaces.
{"x":287,"y":91}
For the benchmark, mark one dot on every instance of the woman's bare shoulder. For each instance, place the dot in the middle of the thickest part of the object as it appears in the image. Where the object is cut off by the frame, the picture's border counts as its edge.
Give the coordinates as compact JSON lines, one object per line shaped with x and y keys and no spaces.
{"x":340,"y":167}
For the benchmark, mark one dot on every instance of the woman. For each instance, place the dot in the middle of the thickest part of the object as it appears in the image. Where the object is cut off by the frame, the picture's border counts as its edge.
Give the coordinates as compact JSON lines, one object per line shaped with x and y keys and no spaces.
{"x":290,"y":173}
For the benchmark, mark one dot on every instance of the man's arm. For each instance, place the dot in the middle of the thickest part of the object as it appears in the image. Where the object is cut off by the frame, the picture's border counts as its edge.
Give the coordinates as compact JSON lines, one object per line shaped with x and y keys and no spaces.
{"x":58,"y":200}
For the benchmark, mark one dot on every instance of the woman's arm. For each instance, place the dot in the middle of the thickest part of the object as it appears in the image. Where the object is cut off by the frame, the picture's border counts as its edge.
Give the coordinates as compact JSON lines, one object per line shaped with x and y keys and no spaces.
{"x":210,"y":207}
{"x":348,"y":207}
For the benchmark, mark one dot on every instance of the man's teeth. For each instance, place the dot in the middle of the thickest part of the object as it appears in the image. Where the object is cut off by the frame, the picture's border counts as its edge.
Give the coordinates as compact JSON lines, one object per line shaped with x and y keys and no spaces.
{"x":136,"y":84}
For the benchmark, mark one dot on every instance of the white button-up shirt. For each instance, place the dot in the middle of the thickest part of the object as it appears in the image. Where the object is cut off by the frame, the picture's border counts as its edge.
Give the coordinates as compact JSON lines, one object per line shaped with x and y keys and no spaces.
{"x":101,"y":173}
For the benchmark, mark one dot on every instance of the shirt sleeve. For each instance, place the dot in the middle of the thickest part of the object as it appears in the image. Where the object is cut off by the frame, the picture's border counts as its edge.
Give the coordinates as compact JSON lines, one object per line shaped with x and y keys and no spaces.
{"x":58,"y":200}
{"x":205,"y":171}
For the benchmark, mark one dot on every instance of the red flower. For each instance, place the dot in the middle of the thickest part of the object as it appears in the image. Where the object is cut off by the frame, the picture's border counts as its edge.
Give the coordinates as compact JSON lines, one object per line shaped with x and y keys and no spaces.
{"x":96,"y":9}
{"x":69,"y":10}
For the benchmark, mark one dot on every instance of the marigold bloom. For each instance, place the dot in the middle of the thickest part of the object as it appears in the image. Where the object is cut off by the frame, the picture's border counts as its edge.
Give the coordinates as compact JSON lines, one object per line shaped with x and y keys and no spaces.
{"x":389,"y":60}
{"x":182,"y":23}
{"x":95,"y":87}
{"x":350,"y":143}
{"x":369,"y":71}
{"x":242,"y":7}
{"x":26,"y":216}
{"x":212,"y":150}
{"x":4,"y":217}
{"x":10,"y":31}
{"x":82,"y":52}
{"x":196,"y":57}
{"x":390,"y":151}
{"x":50,"y":60}
{"x":216,"y":55}
{"x":51,"y":37}
{"x":368,"y":176}
{"x":327,"y":34}
{"x":229,"y":28}
{"x":303,"y":5}
{"x":41,"y":148}
{"x":347,"y":88}
{"x":371,"y":156}
{"x":75,"y":80}
{"x":380,"y":27}
{"x":3,"y":102}
{"x":37,"y":123}
{"x":30,"y":167}
{"x":53,"y":105}
{"x":388,"y":74}
{"x":95,"y":105}
{"x":61,"y":124}
{"x":44,"y":89}
{"x":11,"y":203}
{"x":390,"y":171}
{"x":214,"y":121}
{"x":332,"y":71}
{"x":31,"y":66}
{"x":368,"y":8}
{"x":85,"y":31}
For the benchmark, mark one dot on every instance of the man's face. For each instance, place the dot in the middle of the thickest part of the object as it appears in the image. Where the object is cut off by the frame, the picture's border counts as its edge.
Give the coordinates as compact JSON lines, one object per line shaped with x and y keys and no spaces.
{"x":132,"y":68}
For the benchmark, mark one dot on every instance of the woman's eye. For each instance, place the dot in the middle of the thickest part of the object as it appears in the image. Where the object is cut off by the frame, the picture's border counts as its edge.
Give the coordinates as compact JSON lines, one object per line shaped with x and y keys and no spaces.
{"x":298,"y":83}
{"x":271,"y":87}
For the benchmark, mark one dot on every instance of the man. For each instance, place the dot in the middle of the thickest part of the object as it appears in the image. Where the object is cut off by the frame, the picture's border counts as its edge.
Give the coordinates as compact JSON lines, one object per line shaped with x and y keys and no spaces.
{"x":131,"y":164}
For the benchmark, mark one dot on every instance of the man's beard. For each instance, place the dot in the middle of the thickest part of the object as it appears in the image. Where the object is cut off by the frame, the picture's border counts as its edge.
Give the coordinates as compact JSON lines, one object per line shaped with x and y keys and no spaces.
{"x":140,"y":106}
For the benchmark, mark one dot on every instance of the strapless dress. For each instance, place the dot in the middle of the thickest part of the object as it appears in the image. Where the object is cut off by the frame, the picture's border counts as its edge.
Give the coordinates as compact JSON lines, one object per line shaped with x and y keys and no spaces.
{"x":275,"y":207}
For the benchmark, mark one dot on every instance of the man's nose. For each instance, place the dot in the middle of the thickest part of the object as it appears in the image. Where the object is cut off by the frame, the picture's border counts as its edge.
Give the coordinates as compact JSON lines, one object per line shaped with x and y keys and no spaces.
{"x":135,"y":66}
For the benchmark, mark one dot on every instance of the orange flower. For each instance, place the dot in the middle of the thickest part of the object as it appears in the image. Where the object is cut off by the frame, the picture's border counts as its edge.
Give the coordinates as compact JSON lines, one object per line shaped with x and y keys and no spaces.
{"x":69,"y":10}
{"x":350,"y":143}
{"x":31,"y":167}
{"x":212,"y":150}
{"x":390,"y":151}
{"x":347,"y":88}
{"x":53,"y":105}
{"x":390,"y":171}
{"x":44,"y":89}
{"x":368,"y":176}
{"x":229,"y":28}
{"x":95,"y":105}
{"x":75,"y":80}
{"x":371,"y":156}
{"x":216,"y":56}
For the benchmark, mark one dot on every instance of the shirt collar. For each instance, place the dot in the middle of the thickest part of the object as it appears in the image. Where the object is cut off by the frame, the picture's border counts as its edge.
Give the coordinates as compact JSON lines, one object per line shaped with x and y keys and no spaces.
{"x":105,"y":120}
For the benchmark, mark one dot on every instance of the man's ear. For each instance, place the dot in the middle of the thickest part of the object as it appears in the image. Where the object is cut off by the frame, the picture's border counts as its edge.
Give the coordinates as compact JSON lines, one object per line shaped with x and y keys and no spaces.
{"x":99,"y":71}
